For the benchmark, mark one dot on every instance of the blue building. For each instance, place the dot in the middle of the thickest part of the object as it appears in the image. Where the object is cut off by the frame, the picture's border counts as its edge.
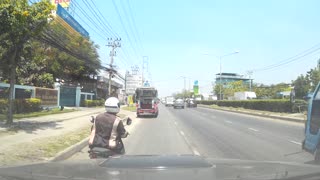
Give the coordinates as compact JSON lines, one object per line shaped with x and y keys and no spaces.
{"x":226,"y":78}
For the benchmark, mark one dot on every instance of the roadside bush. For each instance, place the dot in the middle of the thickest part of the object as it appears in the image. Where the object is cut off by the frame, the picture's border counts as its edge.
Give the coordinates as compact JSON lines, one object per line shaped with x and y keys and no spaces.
{"x":3,"y":106}
{"x":273,"y":105}
{"x":300,"y":106}
{"x":92,"y":103}
{"x":209,"y":102}
{"x":27,"y":105}
{"x":21,"y":105}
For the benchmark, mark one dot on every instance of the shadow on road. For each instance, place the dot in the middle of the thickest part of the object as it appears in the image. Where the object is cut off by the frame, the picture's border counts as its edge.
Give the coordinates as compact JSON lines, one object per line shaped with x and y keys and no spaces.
{"x":29,"y":126}
{"x":313,"y":162}
{"x":147,"y":117}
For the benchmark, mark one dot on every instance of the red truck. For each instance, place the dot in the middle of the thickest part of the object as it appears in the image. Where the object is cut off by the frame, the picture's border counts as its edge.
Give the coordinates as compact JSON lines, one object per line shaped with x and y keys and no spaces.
{"x":146,"y":99}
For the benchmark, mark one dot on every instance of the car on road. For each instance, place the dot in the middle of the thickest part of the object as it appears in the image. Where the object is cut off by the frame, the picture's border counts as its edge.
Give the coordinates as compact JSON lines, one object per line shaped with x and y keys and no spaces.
{"x":191,"y":103}
{"x":179,"y":103}
{"x":169,"y":101}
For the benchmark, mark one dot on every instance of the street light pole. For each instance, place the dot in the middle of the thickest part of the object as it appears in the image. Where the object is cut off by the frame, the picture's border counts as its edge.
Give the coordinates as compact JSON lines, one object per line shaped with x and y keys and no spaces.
{"x":220,"y":78}
{"x":220,"y":86}
{"x":184,"y":90}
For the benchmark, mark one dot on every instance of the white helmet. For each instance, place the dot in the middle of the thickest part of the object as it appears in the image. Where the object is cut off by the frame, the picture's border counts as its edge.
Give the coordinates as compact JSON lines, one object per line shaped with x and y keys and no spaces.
{"x":112,"y":105}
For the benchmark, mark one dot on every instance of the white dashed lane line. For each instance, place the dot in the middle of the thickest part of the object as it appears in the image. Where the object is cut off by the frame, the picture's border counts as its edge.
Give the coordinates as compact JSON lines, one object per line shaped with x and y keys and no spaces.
{"x":195,"y":152}
{"x":252,"y":129}
{"x":295,"y":142}
{"x":193,"y":149}
{"x":228,"y":122}
{"x":182,"y":133}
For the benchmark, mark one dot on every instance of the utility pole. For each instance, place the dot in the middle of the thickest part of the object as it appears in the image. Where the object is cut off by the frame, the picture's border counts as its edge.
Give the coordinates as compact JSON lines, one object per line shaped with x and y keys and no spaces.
{"x":113,"y":43}
{"x":184,"y":90}
{"x":144,"y":62}
{"x":250,"y":73}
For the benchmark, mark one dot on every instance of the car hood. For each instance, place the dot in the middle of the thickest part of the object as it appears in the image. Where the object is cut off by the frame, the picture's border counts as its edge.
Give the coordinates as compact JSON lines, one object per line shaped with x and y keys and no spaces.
{"x":161,"y":167}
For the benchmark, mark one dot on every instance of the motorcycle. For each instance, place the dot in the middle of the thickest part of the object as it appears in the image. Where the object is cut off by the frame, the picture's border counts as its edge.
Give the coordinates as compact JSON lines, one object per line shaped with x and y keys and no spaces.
{"x":99,"y":152}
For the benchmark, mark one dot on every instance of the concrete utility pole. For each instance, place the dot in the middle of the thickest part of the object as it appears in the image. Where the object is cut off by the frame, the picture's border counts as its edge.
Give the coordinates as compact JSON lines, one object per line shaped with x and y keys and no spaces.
{"x":113,"y":43}
{"x":144,"y":62}
{"x":250,"y":74}
{"x":184,"y":90}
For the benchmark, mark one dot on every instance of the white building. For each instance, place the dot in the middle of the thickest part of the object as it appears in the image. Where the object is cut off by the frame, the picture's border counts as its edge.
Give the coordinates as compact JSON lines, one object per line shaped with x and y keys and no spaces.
{"x":133,"y":81}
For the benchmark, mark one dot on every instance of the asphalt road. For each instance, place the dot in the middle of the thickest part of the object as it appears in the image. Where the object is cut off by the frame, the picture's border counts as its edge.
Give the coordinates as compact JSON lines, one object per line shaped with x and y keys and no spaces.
{"x":216,"y":134}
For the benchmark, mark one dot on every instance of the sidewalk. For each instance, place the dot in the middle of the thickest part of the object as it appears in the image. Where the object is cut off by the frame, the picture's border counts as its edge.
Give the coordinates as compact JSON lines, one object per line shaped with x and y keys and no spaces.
{"x":295,"y":117}
{"x":35,"y":136}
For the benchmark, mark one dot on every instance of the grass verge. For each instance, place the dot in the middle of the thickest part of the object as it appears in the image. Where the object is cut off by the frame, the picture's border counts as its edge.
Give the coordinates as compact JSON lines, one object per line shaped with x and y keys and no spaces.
{"x":130,"y":108}
{"x":42,"y":149}
{"x":37,"y":114}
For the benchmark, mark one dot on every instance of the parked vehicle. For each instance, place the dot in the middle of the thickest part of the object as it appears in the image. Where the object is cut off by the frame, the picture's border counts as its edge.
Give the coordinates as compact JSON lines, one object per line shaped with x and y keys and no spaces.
{"x":169,"y":101}
{"x":311,"y":143}
{"x":146,"y":99}
{"x":244,"y":95}
{"x":179,"y":103}
{"x":99,"y":152}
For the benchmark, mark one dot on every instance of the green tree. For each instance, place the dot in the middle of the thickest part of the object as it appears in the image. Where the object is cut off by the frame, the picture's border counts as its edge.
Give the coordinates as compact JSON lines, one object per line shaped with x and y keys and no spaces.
{"x":43,"y":62}
{"x":314,"y":78}
{"x":229,"y":89}
{"x":216,"y":89}
{"x":301,"y":85}
{"x":19,"y":23}
{"x":76,"y":60}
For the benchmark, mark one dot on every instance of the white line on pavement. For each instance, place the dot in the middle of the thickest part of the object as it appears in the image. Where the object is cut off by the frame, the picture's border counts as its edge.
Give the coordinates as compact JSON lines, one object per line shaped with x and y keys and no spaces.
{"x":252,"y":129}
{"x":175,"y":123}
{"x":195,"y":152}
{"x":182,"y":133}
{"x":228,"y":122}
{"x":295,"y":142}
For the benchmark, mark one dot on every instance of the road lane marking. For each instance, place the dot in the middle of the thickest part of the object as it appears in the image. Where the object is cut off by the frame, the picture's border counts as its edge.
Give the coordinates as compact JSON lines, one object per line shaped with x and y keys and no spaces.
{"x":295,"y":142}
{"x":252,"y":129}
{"x":188,"y":143}
{"x":182,"y":133}
{"x":195,"y":152}
{"x":228,"y":122}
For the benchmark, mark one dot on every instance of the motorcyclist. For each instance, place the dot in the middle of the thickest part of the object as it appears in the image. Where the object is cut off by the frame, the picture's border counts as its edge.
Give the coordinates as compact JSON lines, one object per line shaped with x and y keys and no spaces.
{"x":108,"y":128}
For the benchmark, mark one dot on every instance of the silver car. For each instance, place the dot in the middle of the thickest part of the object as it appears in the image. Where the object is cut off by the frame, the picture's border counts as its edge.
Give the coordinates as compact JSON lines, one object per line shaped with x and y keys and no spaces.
{"x":179,"y":103}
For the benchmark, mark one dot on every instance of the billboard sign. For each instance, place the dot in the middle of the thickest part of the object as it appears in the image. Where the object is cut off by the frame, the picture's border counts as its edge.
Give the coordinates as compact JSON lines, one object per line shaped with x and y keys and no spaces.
{"x":71,"y":21}
{"x":196,"y":87}
{"x":63,"y":3}
{"x":195,"y":90}
{"x":48,"y":97}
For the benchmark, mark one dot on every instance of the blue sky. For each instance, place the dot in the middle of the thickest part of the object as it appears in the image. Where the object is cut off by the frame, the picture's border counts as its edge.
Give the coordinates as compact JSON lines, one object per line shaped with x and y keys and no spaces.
{"x":175,"y":35}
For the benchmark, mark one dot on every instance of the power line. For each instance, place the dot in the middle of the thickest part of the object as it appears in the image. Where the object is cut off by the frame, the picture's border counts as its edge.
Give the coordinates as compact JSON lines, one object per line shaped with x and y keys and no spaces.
{"x":134,"y":24}
{"x":129,"y":22}
{"x":89,"y":18}
{"x":88,"y":26}
{"x":97,"y":18}
{"x":291,"y":59}
{"x":93,"y":12}
{"x":125,"y":30}
{"x":107,"y":23}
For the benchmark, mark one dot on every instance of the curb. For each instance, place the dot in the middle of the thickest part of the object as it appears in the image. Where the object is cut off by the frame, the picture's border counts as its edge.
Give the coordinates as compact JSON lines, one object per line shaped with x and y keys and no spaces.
{"x":67,"y":153}
{"x":260,"y":115}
